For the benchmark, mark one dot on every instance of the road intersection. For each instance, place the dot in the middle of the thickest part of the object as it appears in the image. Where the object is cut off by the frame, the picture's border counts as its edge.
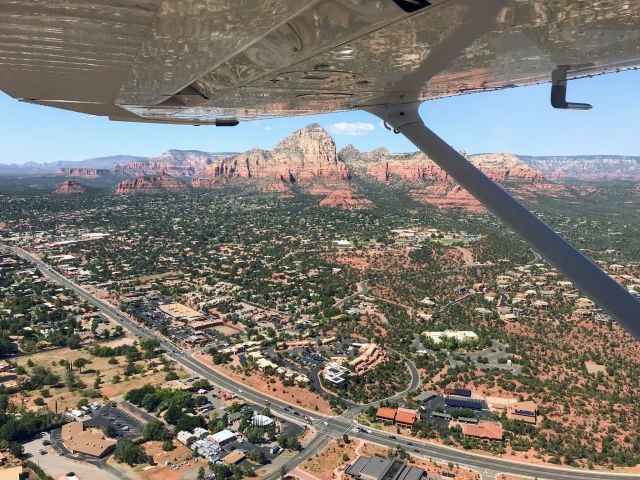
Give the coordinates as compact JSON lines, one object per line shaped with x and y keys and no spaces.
{"x":327,"y":427}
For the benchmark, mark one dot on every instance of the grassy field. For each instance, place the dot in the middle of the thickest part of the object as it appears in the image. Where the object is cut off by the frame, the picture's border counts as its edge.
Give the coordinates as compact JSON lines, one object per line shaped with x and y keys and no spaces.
{"x":62,"y":398}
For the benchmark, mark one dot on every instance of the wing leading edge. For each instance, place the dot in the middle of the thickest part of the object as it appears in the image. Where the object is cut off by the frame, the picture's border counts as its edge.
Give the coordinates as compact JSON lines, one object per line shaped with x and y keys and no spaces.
{"x":193,"y":61}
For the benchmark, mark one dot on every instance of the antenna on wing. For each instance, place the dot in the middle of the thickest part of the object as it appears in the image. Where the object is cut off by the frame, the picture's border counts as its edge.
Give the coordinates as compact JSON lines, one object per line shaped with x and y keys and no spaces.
{"x":559,"y":90}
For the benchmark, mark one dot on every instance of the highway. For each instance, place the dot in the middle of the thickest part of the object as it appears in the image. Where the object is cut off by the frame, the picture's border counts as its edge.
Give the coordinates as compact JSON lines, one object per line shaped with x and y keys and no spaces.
{"x":327,"y":427}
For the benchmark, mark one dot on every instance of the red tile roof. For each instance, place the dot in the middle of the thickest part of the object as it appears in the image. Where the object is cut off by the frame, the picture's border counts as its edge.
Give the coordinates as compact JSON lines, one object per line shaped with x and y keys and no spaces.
{"x":407,"y":417}
{"x":386,"y":413}
{"x":490,"y":431}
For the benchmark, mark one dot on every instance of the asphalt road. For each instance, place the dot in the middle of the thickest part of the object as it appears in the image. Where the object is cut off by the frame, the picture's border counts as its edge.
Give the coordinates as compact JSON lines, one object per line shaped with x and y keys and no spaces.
{"x":361,"y":289}
{"x":335,"y":426}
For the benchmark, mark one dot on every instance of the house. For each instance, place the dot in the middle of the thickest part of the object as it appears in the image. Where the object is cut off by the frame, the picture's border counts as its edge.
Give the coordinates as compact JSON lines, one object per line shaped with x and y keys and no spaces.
{"x":91,"y":441}
{"x":485,"y":431}
{"x":378,"y":468}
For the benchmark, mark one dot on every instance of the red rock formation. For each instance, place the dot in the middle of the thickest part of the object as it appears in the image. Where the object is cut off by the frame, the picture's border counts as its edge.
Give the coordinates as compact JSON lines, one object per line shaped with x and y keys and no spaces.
{"x":208,"y":182}
{"x":81,"y":172}
{"x":181,"y":163}
{"x":158,"y":183}
{"x":305,"y":157}
{"x":345,"y":199}
{"x":70,"y":187}
{"x":250,"y":164}
{"x":430,"y":184}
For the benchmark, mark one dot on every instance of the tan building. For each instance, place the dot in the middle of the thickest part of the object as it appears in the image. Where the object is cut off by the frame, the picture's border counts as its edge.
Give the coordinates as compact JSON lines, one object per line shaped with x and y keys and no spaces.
{"x":234,"y":458}
{"x":180,"y":311}
{"x":90,"y":441}
{"x":18,"y":473}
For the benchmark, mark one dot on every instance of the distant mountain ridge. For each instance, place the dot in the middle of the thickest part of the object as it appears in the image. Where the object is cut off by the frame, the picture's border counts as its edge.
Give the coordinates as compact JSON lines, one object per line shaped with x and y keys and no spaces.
{"x":197,"y":163}
{"x":587,"y":167}
{"x":49,"y":168}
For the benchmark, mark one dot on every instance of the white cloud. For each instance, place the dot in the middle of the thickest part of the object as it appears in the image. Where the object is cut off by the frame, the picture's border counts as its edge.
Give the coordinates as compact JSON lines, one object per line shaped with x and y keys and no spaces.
{"x":357,"y":128}
{"x":268,"y":129}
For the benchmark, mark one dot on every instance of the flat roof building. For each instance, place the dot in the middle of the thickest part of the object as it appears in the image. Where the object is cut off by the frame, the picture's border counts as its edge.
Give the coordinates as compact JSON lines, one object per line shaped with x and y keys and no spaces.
{"x":222,"y":437}
{"x":180,"y":311}
{"x":234,"y":457}
{"x":459,"y":335}
{"x":17,"y":473}
{"x":378,"y":468}
{"x":425,"y":397}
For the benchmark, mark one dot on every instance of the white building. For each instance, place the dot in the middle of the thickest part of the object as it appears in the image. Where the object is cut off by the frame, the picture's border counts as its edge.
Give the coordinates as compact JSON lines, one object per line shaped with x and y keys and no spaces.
{"x":185,"y":437}
{"x":200,"y":432}
{"x":222,"y":437}
{"x":459,"y":335}
{"x":261,"y":421}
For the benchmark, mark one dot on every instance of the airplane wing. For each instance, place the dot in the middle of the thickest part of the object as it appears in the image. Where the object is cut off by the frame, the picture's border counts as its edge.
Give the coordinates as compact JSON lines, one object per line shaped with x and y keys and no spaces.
{"x":196,"y":61}
{"x":220,"y":61}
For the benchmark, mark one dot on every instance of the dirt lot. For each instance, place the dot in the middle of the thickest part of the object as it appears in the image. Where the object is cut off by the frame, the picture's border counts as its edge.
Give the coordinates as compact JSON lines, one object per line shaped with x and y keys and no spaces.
{"x":63,"y":399}
{"x":329,"y":463}
{"x":294,"y":395}
{"x":160,"y":457}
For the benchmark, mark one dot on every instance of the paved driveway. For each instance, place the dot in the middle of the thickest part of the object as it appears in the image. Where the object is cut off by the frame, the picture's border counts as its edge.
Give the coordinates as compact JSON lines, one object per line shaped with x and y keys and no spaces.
{"x":56,"y":465}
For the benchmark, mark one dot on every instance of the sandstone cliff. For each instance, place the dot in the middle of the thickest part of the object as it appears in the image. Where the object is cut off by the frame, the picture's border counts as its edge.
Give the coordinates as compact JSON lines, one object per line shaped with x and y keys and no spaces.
{"x":428,"y":183}
{"x":181,"y":163}
{"x":82,"y":172}
{"x":307,"y":158}
{"x":70,"y":187}
{"x":158,"y":183}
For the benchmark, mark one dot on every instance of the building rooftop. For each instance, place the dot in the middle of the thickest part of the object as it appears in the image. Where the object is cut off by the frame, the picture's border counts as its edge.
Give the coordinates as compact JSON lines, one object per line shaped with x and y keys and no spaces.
{"x":489,"y":431}
{"x":222,"y":436}
{"x":178,"y":310}
{"x":426,"y":396}
{"x":17,"y":473}
{"x":87,"y":441}
{"x":378,"y":468}
{"x":386,"y":413}
{"x":234,"y":457}
{"x":406,"y":416}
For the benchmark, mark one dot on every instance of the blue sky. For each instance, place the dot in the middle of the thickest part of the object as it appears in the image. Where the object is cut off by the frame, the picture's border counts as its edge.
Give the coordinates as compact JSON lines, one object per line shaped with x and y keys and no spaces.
{"x":514,"y":120}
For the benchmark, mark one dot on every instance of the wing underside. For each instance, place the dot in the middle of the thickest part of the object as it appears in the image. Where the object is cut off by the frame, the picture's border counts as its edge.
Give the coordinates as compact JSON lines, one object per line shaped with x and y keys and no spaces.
{"x":194,"y":61}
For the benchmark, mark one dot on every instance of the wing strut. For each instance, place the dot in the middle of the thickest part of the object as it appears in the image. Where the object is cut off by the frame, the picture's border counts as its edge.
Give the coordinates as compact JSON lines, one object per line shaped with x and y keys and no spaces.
{"x":585,"y":275}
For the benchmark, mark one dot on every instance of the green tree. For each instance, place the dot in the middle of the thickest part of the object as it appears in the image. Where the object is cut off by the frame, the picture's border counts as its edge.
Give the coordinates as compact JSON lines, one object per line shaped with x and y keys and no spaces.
{"x":155,"y":431}
{"x":130,"y":453}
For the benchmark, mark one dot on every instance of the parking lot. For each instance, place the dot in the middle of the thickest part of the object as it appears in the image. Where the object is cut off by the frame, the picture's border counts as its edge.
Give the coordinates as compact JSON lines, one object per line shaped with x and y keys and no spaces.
{"x":125,"y":424}
{"x":437,"y":405}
